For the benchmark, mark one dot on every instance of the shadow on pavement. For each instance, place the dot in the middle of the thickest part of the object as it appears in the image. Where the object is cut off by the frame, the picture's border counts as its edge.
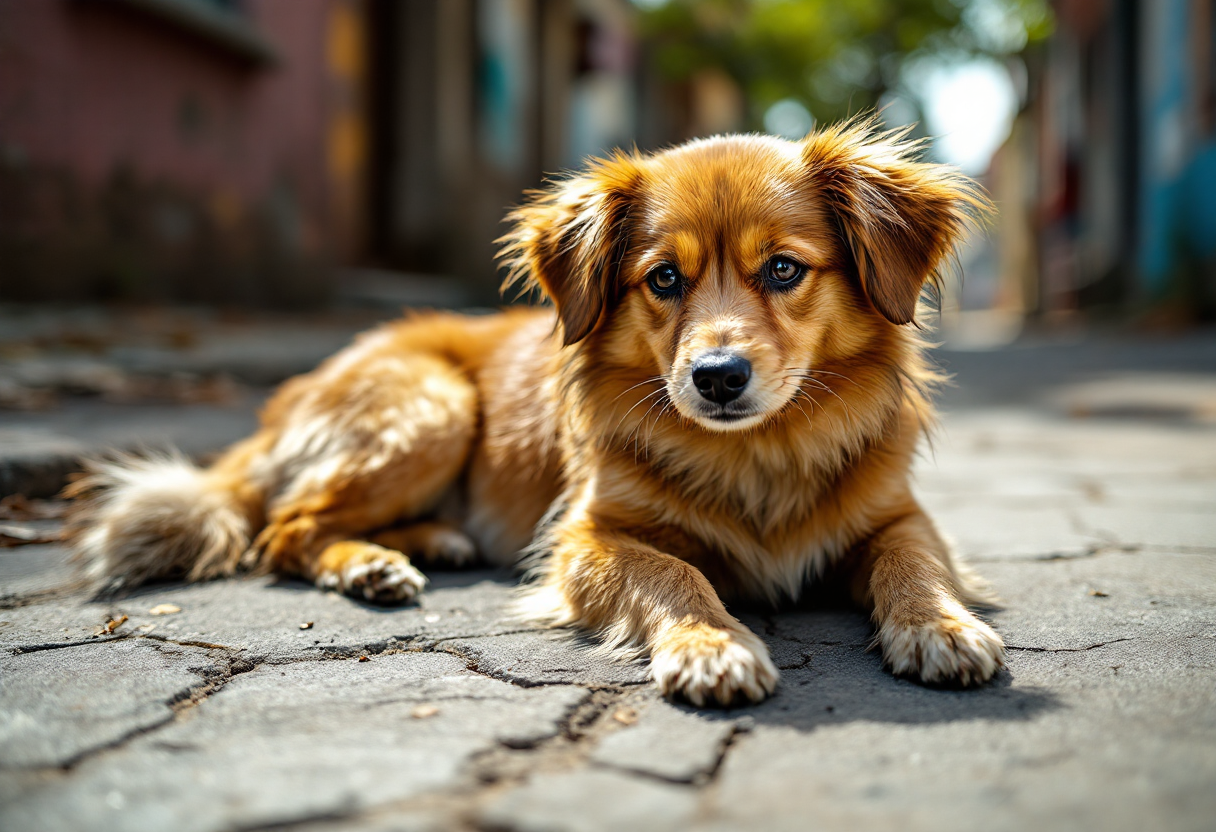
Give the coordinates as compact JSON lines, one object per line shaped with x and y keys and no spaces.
{"x":831,"y":675}
{"x":438,"y":578}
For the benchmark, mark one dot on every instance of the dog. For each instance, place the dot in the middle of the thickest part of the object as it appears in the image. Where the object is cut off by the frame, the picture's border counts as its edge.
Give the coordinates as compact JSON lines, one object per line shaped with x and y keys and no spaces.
{"x":722,"y":404}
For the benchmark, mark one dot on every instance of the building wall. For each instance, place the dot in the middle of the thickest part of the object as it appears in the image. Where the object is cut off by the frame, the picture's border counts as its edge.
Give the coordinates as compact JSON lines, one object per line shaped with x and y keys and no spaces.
{"x":478,"y":101}
{"x":1123,"y":115}
{"x":1178,"y":166}
{"x":142,"y":159}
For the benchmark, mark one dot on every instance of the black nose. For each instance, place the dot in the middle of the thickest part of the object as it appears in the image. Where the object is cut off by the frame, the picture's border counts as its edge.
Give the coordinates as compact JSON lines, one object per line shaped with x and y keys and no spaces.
{"x":721,"y":377}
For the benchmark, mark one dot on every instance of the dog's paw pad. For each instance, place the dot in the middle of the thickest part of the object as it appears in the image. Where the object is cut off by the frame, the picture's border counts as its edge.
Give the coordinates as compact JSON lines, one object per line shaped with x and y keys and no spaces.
{"x":375,"y":574}
{"x":708,"y":666}
{"x":956,"y":648}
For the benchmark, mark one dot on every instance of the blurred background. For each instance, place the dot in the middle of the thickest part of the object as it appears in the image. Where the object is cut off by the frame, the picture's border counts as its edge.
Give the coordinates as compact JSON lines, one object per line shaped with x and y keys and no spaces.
{"x":298,"y":153}
{"x":201,"y":194}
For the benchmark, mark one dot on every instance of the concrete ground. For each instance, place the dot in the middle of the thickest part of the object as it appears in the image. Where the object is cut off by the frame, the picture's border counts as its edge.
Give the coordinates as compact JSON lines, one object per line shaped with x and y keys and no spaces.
{"x":1079,"y":478}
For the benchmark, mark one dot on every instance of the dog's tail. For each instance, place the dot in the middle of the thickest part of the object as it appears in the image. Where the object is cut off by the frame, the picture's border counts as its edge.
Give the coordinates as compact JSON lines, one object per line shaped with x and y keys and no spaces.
{"x":143,"y":518}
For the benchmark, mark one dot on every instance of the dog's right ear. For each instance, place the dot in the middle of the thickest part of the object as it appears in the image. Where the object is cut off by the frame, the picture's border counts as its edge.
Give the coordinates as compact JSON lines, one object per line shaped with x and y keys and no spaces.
{"x":569,"y":239}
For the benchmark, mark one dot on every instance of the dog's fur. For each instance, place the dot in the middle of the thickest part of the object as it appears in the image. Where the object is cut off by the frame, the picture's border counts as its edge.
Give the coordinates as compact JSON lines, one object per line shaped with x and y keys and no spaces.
{"x":445,"y":437}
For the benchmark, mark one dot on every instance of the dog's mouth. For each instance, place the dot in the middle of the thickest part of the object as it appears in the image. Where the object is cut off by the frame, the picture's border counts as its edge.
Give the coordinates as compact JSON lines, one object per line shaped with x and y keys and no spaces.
{"x":728,"y":418}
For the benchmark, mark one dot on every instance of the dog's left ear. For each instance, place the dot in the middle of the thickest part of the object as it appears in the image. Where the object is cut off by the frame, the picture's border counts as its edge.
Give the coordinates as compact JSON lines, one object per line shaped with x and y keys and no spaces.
{"x":569,"y":239}
{"x":898,"y":217}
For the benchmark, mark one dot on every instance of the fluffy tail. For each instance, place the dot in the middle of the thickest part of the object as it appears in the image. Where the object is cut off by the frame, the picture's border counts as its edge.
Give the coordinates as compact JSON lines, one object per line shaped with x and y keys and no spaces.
{"x":139,"y":519}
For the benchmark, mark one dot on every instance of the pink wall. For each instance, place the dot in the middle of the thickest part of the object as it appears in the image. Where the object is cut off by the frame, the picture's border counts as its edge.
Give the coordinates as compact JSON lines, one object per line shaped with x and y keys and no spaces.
{"x":89,"y":88}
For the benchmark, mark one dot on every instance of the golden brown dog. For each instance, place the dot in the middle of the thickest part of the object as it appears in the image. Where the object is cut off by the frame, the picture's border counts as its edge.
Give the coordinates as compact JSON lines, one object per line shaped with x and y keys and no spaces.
{"x":725,"y":405}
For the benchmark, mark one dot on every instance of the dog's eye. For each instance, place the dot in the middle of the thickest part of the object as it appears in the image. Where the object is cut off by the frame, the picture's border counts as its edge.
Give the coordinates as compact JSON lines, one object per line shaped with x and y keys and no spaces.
{"x":783,"y":272}
{"x":664,"y":280}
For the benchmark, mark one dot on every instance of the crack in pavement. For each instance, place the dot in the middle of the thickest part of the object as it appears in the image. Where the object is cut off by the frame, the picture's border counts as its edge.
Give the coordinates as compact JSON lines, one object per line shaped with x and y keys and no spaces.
{"x":585,"y":722}
{"x":21,"y":650}
{"x":336,"y":816}
{"x":806,"y":659}
{"x":499,"y":768}
{"x":328,"y":651}
{"x":702,"y":779}
{"x":739,"y":727}
{"x":1065,"y":649}
{"x":1062,"y":555}
{"x":212,"y":679}
{"x":1104,"y":548}
{"x":1179,"y":550}
{"x":29,"y":599}
{"x":206,"y":645}
{"x":215,"y":677}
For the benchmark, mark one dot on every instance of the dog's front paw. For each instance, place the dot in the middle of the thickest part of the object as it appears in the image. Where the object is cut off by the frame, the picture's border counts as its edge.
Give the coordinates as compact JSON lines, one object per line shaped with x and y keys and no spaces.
{"x":954,"y":648}
{"x":712,"y":665}
{"x":365,"y":570}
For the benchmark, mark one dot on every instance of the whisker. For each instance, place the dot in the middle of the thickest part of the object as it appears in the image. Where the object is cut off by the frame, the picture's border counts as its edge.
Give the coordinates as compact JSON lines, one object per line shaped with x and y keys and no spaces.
{"x":617,"y":426}
{"x":830,"y":373}
{"x":816,"y":371}
{"x":802,"y":410}
{"x":666,"y":405}
{"x":822,"y":385}
{"x":848,"y":411}
{"x":637,"y":430}
{"x":650,"y":380}
{"x":637,"y":427}
{"x":826,"y":413}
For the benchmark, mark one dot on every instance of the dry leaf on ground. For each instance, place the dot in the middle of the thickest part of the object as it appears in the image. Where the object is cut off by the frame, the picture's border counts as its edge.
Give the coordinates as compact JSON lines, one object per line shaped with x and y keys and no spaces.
{"x":164,"y":609}
{"x":19,"y":536}
{"x":110,"y":626}
{"x":625,"y":716}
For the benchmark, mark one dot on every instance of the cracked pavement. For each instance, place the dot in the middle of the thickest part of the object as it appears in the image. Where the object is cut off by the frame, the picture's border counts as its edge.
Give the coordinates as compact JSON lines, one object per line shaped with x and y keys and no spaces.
{"x":265,"y":704}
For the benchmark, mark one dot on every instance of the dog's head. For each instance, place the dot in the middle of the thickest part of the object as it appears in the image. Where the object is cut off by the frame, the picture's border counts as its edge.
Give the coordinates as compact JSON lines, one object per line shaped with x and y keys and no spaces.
{"x":733,"y":267}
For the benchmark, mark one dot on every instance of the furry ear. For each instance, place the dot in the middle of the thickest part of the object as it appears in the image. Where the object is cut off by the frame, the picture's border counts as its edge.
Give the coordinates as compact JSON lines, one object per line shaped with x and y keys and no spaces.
{"x":899,"y":217}
{"x":568,"y":241}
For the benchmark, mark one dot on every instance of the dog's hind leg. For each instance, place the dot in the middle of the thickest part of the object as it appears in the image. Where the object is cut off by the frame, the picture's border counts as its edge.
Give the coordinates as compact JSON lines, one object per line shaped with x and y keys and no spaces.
{"x":435,"y":542}
{"x":376,"y":445}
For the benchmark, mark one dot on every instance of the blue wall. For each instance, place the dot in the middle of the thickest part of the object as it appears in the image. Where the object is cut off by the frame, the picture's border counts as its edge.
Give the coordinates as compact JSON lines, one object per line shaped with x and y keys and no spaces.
{"x":1177,"y":211}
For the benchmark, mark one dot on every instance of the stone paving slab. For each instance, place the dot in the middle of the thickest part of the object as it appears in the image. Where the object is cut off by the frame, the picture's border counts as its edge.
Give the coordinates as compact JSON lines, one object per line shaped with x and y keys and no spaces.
{"x":544,"y":659}
{"x":290,"y":741}
{"x":61,"y":705}
{"x":666,"y":741}
{"x":590,"y":800}
{"x":1096,"y":684}
{"x":1062,"y":742}
{"x":263,"y":616}
{"x":1097,"y":531}
{"x":39,"y":569}
{"x":1073,"y":604}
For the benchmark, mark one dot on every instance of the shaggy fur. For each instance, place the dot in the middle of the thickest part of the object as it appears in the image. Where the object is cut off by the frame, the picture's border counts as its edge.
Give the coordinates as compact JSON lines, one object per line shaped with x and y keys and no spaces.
{"x":444,"y":437}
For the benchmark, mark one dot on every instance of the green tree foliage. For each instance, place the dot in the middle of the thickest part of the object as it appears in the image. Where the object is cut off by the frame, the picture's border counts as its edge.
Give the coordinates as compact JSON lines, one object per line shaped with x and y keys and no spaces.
{"x":837,"y":57}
